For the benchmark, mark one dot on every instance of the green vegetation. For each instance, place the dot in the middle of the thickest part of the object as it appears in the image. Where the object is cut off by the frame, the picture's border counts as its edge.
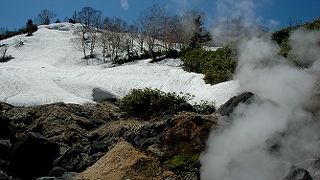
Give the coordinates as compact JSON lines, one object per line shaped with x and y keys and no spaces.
{"x":200,"y":35}
{"x":217,"y":66}
{"x":205,"y":107}
{"x":180,"y":161}
{"x":185,"y":157}
{"x":282,"y":36}
{"x":29,"y":29}
{"x":147,"y":102}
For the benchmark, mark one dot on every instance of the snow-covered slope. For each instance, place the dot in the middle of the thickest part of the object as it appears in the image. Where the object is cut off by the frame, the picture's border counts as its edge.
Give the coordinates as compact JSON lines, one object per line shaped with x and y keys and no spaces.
{"x":47,"y":69}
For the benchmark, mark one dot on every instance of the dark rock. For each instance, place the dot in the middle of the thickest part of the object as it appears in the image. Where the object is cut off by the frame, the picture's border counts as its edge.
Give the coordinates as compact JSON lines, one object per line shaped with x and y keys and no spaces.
{"x":86,"y":124}
{"x":185,"y":106}
{"x":99,"y":95}
{"x":6,"y":131}
{"x":227,"y":108}
{"x":5,"y":107}
{"x":296,"y":173}
{"x":5,"y":149}
{"x":57,"y":172}
{"x":148,"y":134}
{"x":73,"y":160}
{"x":98,"y":147}
{"x":47,"y":178}
{"x":33,"y":156}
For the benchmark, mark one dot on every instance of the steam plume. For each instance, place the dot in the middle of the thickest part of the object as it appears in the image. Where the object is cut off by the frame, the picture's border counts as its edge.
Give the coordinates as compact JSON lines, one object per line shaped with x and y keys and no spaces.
{"x":277,"y":115}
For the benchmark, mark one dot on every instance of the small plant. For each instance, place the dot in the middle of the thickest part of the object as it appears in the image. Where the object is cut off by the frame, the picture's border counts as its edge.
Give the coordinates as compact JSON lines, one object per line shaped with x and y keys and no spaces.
{"x":205,"y":107}
{"x":182,"y":161}
{"x":147,"y":102}
{"x":3,"y":53}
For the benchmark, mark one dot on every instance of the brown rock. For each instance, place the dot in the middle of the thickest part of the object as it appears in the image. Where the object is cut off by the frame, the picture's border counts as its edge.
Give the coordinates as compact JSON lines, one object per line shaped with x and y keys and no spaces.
{"x":189,"y":127}
{"x":123,"y":162}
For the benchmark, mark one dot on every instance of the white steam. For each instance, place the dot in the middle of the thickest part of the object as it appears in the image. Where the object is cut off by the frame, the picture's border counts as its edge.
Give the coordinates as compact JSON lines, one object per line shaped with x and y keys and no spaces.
{"x":236,"y":19}
{"x":277,"y":115}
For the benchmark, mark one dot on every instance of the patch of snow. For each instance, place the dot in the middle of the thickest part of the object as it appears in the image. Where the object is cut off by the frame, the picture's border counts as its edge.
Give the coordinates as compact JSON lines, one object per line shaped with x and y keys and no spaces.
{"x":48,"y":69}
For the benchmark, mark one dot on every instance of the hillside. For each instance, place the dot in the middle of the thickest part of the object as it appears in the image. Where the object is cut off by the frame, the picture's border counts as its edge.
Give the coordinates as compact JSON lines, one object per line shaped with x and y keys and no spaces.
{"x":48,"y":68}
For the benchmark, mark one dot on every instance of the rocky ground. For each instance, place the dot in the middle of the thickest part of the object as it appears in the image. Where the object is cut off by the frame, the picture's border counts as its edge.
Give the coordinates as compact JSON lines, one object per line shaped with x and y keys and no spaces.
{"x":98,"y":141}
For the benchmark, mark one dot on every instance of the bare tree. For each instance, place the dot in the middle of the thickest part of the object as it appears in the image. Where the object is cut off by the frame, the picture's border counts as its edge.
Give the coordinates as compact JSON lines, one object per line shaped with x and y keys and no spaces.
{"x":152,"y":21}
{"x":128,"y":40}
{"x":187,"y":26}
{"x":90,"y":20}
{"x":45,"y":16}
{"x":171,"y":31}
{"x":114,"y":29}
{"x":3,"y":52}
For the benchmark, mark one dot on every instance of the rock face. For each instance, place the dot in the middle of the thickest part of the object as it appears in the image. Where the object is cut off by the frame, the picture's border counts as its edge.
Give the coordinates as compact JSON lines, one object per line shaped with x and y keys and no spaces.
{"x":296,"y":173}
{"x":123,"y":162}
{"x":97,"y":141}
{"x":227,"y":108}
{"x":33,"y":156}
{"x":99,"y":95}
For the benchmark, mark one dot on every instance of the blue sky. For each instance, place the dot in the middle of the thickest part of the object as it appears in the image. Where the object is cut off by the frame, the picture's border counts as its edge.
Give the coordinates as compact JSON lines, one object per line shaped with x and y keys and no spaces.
{"x":271,"y":13}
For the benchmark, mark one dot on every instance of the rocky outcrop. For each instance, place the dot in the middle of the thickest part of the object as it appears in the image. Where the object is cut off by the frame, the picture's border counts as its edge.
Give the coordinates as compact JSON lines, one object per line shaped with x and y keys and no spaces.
{"x":296,"y":173}
{"x":100,"y":95}
{"x":227,"y":108}
{"x":92,"y":140}
{"x":123,"y":161}
{"x":33,"y":156}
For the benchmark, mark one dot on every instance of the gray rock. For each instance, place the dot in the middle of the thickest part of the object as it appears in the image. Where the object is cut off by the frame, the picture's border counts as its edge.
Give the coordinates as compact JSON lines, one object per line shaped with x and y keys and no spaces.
{"x":297,"y":173}
{"x":99,"y":95}
{"x":57,"y":172}
{"x":227,"y":108}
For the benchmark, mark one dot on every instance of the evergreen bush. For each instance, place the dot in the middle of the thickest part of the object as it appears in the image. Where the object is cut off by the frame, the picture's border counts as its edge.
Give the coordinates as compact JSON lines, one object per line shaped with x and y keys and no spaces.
{"x":147,"y":102}
{"x":217,"y":66}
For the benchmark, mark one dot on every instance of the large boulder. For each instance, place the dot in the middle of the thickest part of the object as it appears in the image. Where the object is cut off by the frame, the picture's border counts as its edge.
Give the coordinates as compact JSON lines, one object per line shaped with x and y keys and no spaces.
{"x":33,"y":156}
{"x":123,"y":161}
{"x":227,"y":108}
{"x":296,"y":173}
{"x":99,"y":95}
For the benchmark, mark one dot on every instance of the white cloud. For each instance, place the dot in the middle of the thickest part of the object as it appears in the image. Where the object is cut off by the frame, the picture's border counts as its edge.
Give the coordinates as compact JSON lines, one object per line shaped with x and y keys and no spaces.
{"x":124,"y":4}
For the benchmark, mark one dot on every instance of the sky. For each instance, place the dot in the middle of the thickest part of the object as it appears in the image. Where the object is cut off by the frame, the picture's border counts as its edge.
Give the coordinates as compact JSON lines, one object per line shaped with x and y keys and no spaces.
{"x":271,"y":13}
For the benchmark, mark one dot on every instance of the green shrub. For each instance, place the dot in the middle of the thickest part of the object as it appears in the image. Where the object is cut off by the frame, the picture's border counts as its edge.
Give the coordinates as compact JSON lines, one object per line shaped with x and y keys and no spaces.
{"x":217,"y":66}
{"x":282,"y":37}
{"x":181,"y":162}
{"x":172,"y":53}
{"x":147,"y":102}
{"x":205,"y":107}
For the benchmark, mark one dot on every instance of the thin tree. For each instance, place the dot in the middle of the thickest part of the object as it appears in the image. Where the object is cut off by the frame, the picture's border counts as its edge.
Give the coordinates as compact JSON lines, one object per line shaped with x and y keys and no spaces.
{"x":90,"y":20}
{"x":114,"y":29}
{"x":3,"y":52}
{"x":152,"y":22}
{"x":45,"y":16}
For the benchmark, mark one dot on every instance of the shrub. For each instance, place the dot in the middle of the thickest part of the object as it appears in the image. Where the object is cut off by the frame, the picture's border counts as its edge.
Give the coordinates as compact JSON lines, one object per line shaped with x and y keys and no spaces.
{"x":282,"y":36}
{"x":217,"y":66}
{"x":6,"y":58}
{"x":205,"y":107}
{"x":172,"y":53}
{"x":147,"y":102}
{"x":29,"y":29}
